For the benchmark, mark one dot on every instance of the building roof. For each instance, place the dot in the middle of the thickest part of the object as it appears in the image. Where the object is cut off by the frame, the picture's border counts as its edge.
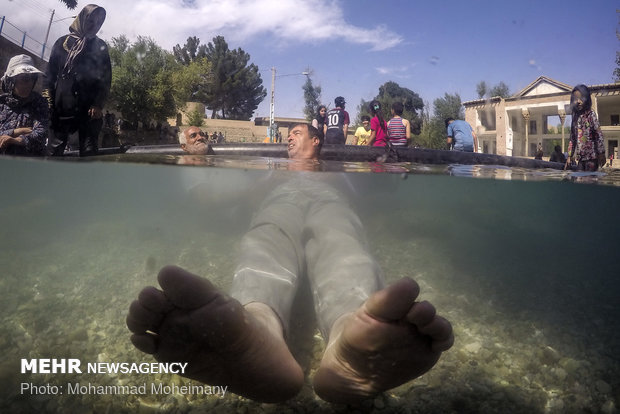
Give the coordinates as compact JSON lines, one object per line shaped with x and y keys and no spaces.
{"x":546,"y":86}
{"x":543,"y":86}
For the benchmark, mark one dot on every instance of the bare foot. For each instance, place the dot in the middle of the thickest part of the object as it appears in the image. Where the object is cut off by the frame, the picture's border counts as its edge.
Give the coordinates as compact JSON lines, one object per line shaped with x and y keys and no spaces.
{"x":387,"y":342}
{"x":223,"y":342}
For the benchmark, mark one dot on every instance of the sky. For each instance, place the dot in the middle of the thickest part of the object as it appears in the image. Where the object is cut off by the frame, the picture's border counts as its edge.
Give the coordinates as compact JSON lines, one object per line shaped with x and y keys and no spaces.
{"x":352,"y":47}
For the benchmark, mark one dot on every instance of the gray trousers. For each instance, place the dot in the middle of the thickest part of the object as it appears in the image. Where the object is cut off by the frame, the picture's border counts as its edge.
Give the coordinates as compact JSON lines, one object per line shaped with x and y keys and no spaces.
{"x":306,"y":227}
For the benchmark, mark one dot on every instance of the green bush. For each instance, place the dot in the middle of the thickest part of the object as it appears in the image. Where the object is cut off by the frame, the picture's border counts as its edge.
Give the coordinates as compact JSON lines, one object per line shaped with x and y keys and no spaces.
{"x":196,"y":118}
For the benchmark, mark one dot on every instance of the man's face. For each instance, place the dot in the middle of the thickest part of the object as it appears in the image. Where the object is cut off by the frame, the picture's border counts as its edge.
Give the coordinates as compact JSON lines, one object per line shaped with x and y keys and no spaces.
{"x":300,"y":145}
{"x":196,"y":141}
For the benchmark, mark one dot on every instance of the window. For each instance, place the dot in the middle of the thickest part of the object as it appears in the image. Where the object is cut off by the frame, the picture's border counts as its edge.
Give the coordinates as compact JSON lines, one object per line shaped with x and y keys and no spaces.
{"x":533,"y":127}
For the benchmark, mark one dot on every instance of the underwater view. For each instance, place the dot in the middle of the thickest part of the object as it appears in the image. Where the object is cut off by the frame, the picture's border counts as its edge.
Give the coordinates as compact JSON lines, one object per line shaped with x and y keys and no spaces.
{"x":523,"y":263}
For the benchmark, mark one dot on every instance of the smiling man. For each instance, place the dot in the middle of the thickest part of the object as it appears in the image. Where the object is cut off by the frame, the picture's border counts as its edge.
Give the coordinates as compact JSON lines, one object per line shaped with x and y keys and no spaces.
{"x":194,"y":141}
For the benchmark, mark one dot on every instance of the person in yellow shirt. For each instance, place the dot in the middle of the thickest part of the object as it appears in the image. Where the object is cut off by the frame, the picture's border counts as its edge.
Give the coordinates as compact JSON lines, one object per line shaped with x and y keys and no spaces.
{"x":362,"y":133}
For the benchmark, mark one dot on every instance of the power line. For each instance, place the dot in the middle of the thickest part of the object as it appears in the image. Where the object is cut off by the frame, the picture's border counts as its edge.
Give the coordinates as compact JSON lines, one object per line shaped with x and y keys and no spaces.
{"x":37,"y":7}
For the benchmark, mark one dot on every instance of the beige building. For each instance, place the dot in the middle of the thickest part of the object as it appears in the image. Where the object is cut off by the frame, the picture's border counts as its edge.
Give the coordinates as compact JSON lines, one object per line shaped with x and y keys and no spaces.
{"x":540,"y":113}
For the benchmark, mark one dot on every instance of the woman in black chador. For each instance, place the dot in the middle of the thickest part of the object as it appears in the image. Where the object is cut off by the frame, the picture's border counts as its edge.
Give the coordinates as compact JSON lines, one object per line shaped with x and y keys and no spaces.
{"x":78,"y":82}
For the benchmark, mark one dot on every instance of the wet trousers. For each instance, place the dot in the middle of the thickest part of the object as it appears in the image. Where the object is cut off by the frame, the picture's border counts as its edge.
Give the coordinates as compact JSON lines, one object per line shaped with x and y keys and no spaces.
{"x":305,"y":227}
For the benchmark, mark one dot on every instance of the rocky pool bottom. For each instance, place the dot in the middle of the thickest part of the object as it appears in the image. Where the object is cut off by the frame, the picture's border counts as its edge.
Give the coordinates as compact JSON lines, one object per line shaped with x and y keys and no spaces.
{"x":525,"y":271}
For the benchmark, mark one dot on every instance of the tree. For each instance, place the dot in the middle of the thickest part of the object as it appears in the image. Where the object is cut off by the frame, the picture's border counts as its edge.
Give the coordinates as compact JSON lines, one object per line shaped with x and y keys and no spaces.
{"x":192,"y":81}
{"x":196,"y":118}
{"x":501,"y":89}
{"x":617,"y":70}
{"x":142,"y":87}
{"x":236,"y":89}
{"x":70,"y":3}
{"x":448,"y":107}
{"x":312,"y":97}
{"x":391,"y":92}
{"x":481,"y":88}
{"x":433,"y":133}
{"x":190,"y":52}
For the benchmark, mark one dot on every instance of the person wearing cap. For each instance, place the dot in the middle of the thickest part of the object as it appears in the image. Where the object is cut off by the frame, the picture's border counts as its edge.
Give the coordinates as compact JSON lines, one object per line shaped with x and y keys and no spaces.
{"x":79,"y":76}
{"x":24,"y":118}
{"x":336,"y":123}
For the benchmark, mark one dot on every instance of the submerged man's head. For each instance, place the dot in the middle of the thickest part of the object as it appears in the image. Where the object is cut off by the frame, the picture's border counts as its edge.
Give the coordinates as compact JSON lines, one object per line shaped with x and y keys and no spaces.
{"x":193,"y":141}
{"x":304,"y":142}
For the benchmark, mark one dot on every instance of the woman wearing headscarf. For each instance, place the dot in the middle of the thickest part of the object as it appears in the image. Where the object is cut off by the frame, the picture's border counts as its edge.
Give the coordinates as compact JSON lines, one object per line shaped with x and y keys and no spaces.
{"x":24,"y":118}
{"x":79,"y":75}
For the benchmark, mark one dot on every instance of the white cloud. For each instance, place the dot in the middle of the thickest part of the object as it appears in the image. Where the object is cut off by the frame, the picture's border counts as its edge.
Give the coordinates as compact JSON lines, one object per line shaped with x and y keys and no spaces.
{"x":171,"y":22}
{"x":394,"y":70}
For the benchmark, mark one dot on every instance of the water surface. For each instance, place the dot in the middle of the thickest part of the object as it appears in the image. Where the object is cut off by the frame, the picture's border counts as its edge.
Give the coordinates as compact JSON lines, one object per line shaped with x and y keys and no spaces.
{"x":522,"y":262}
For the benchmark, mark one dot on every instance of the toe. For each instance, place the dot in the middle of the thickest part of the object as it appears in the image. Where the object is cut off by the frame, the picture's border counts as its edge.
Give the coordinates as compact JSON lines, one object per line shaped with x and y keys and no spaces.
{"x":145,"y":343}
{"x":184,"y":289}
{"x":140,"y":319}
{"x":421,"y":313}
{"x":444,"y":345}
{"x":439,"y":329}
{"x":154,"y":300}
{"x":393,"y":302}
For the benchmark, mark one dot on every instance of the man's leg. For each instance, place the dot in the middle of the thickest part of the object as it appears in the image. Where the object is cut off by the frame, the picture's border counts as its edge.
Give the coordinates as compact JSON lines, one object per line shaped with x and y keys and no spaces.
{"x":227,"y":342}
{"x":271,"y":257}
{"x":342,"y":272}
{"x":379,"y":338}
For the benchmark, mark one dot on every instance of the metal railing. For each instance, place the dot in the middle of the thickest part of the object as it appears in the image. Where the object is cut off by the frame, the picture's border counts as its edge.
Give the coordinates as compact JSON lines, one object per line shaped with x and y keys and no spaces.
{"x":13,"y":33}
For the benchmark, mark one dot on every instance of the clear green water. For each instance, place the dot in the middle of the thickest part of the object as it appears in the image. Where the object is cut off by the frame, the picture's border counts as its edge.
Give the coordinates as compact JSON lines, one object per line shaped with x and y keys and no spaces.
{"x":526,"y":270}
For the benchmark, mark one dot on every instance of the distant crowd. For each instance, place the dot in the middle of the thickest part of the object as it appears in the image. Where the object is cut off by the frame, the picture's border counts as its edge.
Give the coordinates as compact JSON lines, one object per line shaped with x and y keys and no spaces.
{"x":77,"y":83}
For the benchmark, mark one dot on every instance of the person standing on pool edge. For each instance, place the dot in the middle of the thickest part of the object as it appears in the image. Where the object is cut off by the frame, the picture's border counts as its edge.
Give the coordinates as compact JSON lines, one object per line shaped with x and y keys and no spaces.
{"x":586,"y":137}
{"x":79,"y":76}
{"x":336,"y":123}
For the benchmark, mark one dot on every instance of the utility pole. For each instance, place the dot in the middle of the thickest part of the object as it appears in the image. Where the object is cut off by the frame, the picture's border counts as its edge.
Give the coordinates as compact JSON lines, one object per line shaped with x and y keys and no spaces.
{"x":272,"y":105}
{"x":49,"y":26}
{"x":272,"y":129}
